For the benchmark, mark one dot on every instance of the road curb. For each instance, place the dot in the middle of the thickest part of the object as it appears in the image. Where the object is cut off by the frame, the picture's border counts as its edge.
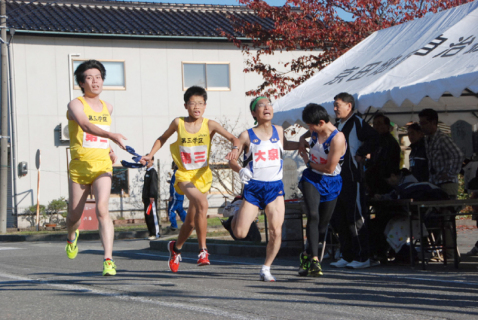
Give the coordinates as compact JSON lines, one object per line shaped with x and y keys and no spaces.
{"x":119,"y":235}
{"x":228,"y":248}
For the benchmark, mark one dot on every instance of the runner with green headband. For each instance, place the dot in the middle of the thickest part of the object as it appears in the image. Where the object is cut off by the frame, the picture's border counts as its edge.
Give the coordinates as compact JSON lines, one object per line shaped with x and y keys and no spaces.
{"x":263,"y":148}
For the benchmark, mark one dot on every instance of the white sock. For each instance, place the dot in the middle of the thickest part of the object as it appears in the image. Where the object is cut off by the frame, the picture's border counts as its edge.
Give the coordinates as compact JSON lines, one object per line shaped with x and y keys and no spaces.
{"x":266,"y":269}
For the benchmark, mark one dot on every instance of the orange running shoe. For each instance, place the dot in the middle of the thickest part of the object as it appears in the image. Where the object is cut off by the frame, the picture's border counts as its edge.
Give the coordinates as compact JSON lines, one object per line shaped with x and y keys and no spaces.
{"x":203,"y":258}
{"x":174,"y":257}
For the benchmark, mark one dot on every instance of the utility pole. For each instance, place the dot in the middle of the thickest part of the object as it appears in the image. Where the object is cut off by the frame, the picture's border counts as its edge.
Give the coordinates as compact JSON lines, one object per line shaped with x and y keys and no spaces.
{"x":4,"y":114}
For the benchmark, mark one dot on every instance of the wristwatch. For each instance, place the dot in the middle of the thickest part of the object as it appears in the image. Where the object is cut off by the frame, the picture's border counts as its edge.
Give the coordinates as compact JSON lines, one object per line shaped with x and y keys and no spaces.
{"x":308,"y":165}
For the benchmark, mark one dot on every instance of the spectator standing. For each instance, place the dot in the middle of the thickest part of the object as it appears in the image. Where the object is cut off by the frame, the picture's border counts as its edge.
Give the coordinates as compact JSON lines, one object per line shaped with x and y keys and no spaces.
{"x":349,"y":216}
{"x":150,"y":200}
{"x":418,"y":155}
{"x":175,"y":204}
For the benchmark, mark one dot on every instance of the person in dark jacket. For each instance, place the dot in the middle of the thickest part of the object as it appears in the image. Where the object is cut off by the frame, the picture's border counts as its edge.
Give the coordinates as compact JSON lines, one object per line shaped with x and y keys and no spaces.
{"x":418,"y":155}
{"x":385,"y":158}
{"x":150,"y":200}
{"x":349,"y":218}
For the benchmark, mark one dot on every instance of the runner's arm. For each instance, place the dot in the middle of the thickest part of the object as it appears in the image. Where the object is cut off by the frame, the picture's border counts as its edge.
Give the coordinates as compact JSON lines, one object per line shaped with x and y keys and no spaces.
{"x":173,"y":127}
{"x":288,"y":145}
{"x":243,"y":141}
{"x":77,"y":114}
{"x":337,"y":149}
{"x":236,"y":145}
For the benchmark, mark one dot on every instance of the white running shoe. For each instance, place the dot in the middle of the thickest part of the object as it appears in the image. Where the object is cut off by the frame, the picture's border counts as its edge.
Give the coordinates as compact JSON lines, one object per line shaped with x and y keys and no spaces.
{"x":362,"y":265}
{"x":340,"y":264}
{"x":267,"y":276}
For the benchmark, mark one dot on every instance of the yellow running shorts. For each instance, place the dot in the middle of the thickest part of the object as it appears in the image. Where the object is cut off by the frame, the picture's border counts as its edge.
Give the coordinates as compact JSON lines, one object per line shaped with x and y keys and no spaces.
{"x":201,"y":178}
{"x":86,"y":172}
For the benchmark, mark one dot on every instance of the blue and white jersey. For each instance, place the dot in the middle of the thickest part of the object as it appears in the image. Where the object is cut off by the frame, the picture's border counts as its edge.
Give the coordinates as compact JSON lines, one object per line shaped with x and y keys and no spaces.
{"x":319,"y":153}
{"x":264,"y":158}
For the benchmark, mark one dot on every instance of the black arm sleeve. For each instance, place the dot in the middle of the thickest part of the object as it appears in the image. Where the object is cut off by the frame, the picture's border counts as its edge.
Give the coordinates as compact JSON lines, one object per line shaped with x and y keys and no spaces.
{"x":370,"y":138}
{"x":153,"y":186}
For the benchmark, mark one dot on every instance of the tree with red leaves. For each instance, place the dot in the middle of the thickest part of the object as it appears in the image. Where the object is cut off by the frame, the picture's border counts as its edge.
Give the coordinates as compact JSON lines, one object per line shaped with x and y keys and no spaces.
{"x":316,"y":26}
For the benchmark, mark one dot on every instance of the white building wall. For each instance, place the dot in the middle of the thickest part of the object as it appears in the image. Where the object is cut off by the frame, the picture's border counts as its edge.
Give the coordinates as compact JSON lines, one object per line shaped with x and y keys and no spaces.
{"x":152,"y":99}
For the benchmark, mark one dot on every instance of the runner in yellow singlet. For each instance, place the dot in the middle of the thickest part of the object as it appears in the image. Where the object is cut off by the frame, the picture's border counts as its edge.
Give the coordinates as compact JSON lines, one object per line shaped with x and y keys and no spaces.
{"x":91,"y":159}
{"x":193,"y":178}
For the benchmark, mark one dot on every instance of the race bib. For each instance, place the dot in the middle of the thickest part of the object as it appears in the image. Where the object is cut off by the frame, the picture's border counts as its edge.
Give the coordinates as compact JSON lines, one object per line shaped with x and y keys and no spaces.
{"x":92,"y":141}
{"x":193,"y":157}
{"x":315,"y":157}
{"x":265,"y":157}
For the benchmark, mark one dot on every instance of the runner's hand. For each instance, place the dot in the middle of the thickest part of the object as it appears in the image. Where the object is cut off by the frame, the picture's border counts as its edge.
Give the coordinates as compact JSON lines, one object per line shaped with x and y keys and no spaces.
{"x":145,"y":159}
{"x":113,"y":157}
{"x":245,"y":175}
{"x":117,"y":138}
{"x":303,"y":145}
{"x":233,"y":155}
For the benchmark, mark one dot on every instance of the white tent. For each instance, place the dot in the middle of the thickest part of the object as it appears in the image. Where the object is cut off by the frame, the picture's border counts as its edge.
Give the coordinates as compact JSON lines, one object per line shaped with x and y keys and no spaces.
{"x":427,"y":63}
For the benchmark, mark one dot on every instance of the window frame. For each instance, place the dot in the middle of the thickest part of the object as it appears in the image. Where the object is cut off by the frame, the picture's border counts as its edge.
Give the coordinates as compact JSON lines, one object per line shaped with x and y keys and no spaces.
{"x":116,"y":88}
{"x":206,"y":63}
{"x":126,"y":193}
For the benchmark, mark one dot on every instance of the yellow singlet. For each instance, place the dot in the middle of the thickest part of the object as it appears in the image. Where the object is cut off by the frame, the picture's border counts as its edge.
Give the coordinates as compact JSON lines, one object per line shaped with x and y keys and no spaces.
{"x":89,"y":153}
{"x":191,"y":154}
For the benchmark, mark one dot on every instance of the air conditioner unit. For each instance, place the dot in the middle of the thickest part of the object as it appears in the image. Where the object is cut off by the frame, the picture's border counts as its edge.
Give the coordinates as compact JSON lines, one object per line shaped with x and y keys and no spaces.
{"x":64,"y":133}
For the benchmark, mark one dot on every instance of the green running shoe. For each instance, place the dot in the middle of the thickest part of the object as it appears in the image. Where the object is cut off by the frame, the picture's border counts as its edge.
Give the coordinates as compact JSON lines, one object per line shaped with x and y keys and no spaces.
{"x":315,"y":270}
{"x":71,"y":248}
{"x":304,"y":265}
{"x":109,"y":268}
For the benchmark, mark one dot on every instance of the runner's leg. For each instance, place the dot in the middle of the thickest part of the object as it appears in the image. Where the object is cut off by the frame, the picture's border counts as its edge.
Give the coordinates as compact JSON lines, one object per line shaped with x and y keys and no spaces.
{"x":196,"y":216}
{"x":275,"y":218}
{"x":241,"y":222}
{"x":77,"y":199}
{"x":102,"y":190}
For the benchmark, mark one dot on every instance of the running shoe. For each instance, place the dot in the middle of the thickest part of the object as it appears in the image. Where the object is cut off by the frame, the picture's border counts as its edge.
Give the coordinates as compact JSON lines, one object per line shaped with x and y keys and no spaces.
{"x":174,"y":257}
{"x":71,"y":248}
{"x":203,"y":258}
{"x":267,"y":276}
{"x":304,"y":265}
{"x":473,"y":251}
{"x":315,"y":270}
{"x":109,"y":268}
{"x":342,"y":263}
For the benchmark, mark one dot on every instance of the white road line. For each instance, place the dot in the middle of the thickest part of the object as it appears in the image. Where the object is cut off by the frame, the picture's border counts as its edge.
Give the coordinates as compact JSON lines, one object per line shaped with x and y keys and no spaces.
{"x":335,"y":270}
{"x":9,"y":248}
{"x":123,"y":296}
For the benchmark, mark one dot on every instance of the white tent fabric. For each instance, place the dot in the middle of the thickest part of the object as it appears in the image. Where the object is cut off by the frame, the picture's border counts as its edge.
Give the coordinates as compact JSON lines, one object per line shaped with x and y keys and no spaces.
{"x":430,"y":62}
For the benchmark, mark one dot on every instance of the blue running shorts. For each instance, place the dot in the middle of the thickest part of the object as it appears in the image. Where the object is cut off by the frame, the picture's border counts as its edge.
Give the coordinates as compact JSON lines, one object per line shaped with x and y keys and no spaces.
{"x":261,"y":193}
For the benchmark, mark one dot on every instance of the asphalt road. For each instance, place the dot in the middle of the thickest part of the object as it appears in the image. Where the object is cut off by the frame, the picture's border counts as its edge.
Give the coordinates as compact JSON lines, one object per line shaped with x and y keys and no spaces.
{"x":38,"y":281}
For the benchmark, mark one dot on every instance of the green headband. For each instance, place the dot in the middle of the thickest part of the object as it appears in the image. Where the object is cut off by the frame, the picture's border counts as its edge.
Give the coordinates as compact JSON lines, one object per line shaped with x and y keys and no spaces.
{"x":253,"y":106}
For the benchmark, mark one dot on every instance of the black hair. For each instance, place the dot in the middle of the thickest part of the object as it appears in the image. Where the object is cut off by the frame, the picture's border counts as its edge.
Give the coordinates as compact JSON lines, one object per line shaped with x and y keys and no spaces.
{"x":254,"y":99}
{"x":195,"y":91}
{"x":89,"y":64}
{"x":429,"y":114}
{"x":151,"y":158}
{"x":386,"y":120}
{"x":415,"y":127}
{"x":347,"y":98}
{"x":313,"y":113}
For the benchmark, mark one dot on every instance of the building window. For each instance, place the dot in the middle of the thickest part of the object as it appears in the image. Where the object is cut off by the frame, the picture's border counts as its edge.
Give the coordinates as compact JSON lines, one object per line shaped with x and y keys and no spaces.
{"x":115,"y":74}
{"x":120,"y":181}
{"x":213,"y":76}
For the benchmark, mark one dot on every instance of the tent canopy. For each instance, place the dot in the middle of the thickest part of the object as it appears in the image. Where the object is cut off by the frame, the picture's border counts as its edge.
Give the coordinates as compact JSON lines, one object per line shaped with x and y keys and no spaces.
{"x":430,"y":62}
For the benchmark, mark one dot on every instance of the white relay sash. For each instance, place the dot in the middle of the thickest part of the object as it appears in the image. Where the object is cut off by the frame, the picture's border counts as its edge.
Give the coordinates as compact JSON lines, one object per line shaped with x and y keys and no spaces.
{"x":92,"y":141}
{"x":193,"y":157}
